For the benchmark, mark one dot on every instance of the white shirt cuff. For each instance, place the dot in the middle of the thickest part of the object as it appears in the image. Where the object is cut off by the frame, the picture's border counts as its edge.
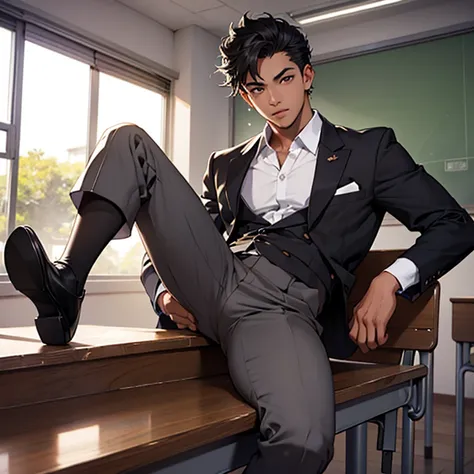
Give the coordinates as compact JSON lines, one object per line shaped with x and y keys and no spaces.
{"x":161,"y":288}
{"x":405,"y":271}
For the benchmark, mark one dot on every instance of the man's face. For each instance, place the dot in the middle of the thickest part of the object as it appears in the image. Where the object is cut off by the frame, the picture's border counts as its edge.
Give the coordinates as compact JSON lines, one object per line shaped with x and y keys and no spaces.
{"x":279,"y":93}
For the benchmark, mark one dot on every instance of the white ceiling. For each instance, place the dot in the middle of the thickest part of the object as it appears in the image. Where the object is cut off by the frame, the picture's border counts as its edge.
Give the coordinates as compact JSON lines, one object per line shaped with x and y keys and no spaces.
{"x":216,"y":15}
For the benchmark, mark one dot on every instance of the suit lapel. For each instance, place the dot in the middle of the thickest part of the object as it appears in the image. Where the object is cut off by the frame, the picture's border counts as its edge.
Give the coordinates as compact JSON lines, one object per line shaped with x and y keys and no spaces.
{"x":330,"y":164}
{"x":238,"y":167}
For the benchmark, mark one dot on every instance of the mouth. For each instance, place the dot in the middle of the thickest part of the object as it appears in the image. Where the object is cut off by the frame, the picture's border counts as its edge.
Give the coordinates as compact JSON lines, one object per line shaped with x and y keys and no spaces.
{"x":280,"y":113}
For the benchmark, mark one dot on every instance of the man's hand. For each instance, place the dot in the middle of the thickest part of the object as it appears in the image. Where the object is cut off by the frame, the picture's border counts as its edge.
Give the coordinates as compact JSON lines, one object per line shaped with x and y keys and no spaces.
{"x":373,"y":313}
{"x":170,"y":306}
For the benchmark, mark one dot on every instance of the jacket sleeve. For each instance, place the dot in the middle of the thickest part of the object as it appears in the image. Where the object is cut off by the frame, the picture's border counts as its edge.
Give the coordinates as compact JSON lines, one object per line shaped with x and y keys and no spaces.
{"x":405,"y":190}
{"x":209,"y":195}
{"x":149,"y":277}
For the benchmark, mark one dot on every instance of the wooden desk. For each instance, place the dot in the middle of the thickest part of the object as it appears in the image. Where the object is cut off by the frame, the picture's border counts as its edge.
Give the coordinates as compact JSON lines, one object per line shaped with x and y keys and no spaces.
{"x":130,"y":429}
{"x":121,"y":399}
{"x":463,"y":334}
{"x":463,"y":319}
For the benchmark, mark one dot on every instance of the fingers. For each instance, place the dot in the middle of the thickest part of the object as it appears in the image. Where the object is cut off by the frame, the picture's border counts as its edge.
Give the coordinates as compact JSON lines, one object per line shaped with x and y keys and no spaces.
{"x":182,"y":317}
{"x":182,"y":322}
{"x":366,"y":333}
{"x":371,"y":334}
{"x":362,"y":330}
{"x":358,"y":332}
{"x":354,"y":325}
{"x":362,"y":337}
{"x":382,"y":338}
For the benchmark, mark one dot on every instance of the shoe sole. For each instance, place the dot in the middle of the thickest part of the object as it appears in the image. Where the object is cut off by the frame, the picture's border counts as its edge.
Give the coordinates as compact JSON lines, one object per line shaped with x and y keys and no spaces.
{"x":23,"y":260}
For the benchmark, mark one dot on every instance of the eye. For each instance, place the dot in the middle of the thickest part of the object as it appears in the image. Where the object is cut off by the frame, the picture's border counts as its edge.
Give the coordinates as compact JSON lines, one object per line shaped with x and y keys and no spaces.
{"x":287,"y":78}
{"x":257,"y":90}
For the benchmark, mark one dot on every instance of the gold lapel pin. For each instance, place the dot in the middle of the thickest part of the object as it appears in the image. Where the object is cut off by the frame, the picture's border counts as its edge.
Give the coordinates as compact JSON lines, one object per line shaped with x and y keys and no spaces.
{"x":332,"y":158}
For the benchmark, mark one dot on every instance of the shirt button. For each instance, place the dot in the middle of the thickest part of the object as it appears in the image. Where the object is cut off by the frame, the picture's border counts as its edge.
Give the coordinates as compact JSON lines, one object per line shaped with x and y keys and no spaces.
{"x":282,"y":177}
{"x":306,"y":236}
{"x":285,"y":253}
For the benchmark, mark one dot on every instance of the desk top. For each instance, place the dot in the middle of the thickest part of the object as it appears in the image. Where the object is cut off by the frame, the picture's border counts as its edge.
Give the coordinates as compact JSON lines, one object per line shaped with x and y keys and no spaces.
{"x":21,"y":347}
{"x":465,"y":299}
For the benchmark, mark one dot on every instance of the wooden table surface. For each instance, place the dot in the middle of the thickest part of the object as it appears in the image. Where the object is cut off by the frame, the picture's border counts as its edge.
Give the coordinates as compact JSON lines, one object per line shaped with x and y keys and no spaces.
{"x":21,"y":347}
{"x":124,"y":429}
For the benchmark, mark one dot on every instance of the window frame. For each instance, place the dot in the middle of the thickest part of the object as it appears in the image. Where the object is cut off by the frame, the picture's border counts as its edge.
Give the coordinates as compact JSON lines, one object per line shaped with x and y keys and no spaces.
{"x":100,"y":58}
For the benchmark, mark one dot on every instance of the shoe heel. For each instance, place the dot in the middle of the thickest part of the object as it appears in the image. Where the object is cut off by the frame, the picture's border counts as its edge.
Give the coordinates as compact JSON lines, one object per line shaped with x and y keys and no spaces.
{"x":51,"y":330}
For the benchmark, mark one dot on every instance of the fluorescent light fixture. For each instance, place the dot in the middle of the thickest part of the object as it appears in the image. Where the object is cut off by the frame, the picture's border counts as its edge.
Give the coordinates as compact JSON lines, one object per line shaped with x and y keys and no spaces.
{"x":347,"y":11}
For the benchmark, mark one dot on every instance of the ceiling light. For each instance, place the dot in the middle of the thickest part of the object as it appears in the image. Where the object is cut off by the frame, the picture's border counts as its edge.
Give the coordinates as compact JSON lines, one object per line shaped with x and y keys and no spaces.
{"x":344,"y":11}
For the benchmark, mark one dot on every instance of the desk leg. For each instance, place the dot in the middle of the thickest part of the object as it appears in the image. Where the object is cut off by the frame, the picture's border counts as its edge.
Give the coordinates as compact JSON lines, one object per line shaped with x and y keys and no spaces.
{"x":356,"y":449}
{"x":408,"y":443}
{"x":459,"y":422}
{"x":427,"y":358}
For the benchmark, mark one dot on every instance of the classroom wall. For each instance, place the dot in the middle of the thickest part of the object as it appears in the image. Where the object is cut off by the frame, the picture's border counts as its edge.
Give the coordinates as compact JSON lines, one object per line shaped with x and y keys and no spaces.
{"x":201,"y":109}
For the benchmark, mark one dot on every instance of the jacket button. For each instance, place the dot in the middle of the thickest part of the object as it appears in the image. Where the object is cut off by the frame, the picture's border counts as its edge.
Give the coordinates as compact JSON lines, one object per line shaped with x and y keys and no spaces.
{"x":332,"y":276}
{"x":306,"y":236}
{"x":285,"y":253}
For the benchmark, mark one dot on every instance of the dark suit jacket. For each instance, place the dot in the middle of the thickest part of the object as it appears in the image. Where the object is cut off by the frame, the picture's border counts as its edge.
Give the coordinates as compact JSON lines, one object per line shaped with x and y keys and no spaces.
{"x":344,"y":226}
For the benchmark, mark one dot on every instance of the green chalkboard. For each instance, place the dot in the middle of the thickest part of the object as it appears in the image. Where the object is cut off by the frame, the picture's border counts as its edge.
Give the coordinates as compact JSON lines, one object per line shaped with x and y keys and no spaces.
{"x":425,"y":92}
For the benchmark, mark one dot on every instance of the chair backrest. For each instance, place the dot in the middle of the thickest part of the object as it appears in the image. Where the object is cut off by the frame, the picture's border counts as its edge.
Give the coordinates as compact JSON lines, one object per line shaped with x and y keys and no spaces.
{"x":413,"y":326}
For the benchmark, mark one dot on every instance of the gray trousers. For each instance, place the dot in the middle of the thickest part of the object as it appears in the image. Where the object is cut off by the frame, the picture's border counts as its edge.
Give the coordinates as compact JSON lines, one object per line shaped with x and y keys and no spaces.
{"x":264,"y":320}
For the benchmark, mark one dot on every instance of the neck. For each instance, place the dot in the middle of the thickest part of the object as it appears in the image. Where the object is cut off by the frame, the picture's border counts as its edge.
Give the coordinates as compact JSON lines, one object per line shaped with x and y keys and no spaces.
{"x":282,"y":138}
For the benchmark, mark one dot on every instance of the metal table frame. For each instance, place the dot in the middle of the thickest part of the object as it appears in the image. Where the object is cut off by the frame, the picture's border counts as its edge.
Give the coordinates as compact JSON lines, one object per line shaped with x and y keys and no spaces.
{"x":463,"y":365}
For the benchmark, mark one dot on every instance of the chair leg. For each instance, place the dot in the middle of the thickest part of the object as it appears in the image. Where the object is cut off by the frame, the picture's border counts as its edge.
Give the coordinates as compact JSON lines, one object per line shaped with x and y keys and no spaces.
{"x":389,"y":442}
{"x":356,"y":449}
{"x":408,"y":443}
{"x":459,"y":421}
{"x":428,"y":360}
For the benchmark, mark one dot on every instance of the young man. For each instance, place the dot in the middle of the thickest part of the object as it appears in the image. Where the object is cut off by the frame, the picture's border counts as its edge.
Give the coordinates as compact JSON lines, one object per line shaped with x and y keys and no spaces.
{"x":300,"y":206}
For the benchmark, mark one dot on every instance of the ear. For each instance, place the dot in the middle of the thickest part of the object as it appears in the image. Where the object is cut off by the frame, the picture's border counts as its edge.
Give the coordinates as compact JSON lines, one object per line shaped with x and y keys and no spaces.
{"x":308,"y":76}
{"x":245,"y":96}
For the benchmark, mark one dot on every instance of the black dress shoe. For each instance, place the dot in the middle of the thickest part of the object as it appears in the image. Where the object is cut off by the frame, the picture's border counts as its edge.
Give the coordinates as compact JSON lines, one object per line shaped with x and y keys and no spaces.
{"x":52,"y":287}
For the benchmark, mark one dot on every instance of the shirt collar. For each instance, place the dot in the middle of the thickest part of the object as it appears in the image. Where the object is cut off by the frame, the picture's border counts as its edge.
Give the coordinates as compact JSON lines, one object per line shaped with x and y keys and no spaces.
{"x":308,"y":137}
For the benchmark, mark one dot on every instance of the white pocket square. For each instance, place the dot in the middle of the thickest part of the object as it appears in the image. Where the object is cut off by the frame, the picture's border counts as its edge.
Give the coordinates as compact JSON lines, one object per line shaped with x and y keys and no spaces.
{"x":348,"y":188}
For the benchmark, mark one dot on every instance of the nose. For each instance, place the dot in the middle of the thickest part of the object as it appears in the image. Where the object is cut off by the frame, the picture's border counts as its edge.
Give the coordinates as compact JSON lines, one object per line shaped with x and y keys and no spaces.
{"x":273,"y":97}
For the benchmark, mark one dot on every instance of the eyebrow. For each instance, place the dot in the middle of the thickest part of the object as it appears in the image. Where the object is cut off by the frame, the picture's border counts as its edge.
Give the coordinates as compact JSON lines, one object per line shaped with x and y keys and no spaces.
{"x":278,"y":76}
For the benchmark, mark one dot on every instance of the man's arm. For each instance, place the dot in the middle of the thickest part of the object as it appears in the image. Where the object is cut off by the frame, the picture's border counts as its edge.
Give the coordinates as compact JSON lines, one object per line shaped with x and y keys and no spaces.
{"x":417,"y":200}
{"x":209,"y":195}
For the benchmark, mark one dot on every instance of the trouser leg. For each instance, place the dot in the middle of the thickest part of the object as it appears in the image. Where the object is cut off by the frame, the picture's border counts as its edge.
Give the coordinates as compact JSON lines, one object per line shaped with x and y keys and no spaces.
{"x":279,"y":365}
{"x":276,"y":358}
{"x":129,"y":169}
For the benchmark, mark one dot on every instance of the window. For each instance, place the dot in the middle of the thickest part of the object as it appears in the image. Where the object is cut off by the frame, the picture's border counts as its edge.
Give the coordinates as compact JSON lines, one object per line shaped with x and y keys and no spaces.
{"x":6,"y":67}
{"x":53,"y":127}
{"x":68,"y":95}
{"x":146,"y":109}
{"x":3,"y":208}
{"x":6,"y":64}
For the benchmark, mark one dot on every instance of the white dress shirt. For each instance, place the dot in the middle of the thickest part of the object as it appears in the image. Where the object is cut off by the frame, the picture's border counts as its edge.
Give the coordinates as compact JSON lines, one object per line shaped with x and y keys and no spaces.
{"x":275,"y":192}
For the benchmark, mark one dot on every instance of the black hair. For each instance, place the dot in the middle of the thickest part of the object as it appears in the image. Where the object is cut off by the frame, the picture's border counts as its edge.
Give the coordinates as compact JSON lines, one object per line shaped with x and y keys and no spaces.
{"x":257,"y":38}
